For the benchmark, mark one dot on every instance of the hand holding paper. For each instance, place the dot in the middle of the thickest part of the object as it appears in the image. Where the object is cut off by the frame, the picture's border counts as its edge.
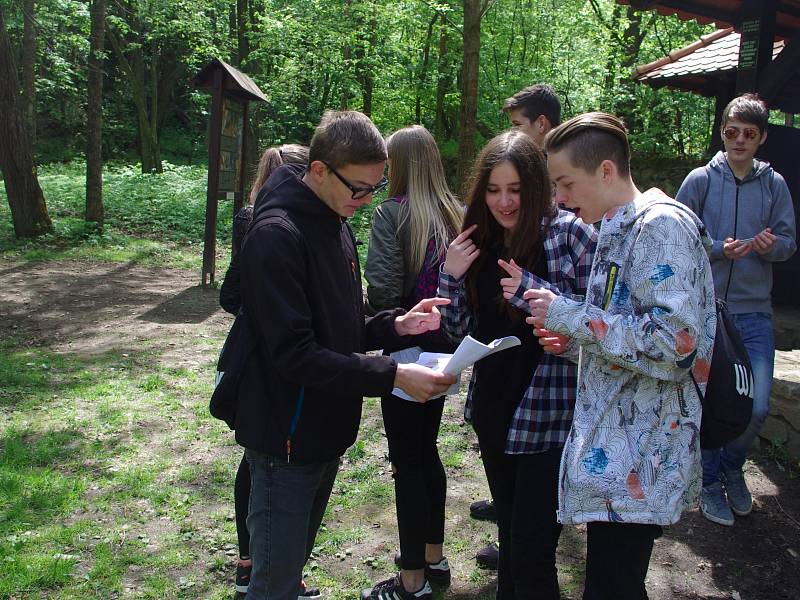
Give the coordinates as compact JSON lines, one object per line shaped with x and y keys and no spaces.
{"x":422,"y":383}
{"x":468,"y":353}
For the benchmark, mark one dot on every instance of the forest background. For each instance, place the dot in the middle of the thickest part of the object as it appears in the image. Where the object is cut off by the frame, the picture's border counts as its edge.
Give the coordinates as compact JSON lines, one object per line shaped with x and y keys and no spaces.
{"x":108,"y":82}
{"x":114,"y":480}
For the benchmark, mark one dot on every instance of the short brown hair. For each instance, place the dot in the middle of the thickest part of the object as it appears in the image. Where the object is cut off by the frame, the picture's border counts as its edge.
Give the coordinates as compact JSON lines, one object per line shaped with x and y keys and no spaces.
{"x":345,"y":138}
{"x":747,"y":108}
{"x":535,"y":100}
{"x":590,"y":139}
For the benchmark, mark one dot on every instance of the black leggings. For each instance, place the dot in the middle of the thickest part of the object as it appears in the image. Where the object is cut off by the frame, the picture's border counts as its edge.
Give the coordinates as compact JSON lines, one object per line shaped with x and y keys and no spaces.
{"x":241,"y":499}
{"x":420,"y":483}
{"x":525,"y":492}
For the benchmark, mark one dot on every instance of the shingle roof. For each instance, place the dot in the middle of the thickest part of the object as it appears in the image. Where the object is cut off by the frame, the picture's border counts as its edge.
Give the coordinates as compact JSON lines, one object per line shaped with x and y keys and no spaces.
{"x":712,"y":53}
{"x":239,"y":84}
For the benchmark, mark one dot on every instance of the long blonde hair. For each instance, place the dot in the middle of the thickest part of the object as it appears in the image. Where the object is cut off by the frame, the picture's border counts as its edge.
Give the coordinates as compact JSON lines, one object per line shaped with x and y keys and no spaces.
{"x":416,"y":172}
{"x":273,"y":158}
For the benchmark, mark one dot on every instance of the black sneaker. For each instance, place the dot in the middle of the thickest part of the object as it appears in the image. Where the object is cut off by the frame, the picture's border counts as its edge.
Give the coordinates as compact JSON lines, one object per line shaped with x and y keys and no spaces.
{"x":306,"y":592}
{"x":243,"y":578}
{"x":392,"y":589}
{"x":437,"y":573}
{"x":488,"y":557}
{"x":483,"y":510}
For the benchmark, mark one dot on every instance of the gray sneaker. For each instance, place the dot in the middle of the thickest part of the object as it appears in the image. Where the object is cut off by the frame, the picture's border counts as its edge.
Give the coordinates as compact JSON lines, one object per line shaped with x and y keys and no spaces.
{"x":714,"y":506}
{"x":739,"y":497}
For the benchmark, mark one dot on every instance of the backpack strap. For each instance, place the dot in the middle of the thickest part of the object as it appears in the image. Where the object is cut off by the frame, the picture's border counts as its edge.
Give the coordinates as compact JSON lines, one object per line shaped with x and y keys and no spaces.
{"x":705,"y":193}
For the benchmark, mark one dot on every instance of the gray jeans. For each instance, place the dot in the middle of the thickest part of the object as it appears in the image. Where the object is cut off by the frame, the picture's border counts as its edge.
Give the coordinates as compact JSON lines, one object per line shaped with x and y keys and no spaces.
{"x":287,"y":502}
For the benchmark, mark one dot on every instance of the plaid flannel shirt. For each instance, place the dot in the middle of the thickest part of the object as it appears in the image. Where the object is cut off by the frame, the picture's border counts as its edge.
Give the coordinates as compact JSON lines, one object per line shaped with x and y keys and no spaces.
{"x":544,"y":416}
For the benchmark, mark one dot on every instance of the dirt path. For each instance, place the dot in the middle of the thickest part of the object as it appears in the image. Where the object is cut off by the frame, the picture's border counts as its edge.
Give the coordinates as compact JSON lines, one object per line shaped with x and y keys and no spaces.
{"x":89,"y":309}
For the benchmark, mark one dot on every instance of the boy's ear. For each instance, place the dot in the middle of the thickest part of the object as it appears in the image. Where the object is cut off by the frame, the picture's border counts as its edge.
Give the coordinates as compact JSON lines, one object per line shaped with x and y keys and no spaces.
{"x":608,"y":170}
{"x":317,"y":169}
{"x":763,"y":138}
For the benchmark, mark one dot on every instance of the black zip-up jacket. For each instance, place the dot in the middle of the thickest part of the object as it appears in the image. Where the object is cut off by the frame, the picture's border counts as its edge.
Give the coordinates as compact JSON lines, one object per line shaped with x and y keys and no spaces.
{"x":301,"y":292}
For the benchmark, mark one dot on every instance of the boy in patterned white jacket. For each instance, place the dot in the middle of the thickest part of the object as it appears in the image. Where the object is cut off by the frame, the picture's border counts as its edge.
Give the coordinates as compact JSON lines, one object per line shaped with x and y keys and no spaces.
{"x":632,"y":460}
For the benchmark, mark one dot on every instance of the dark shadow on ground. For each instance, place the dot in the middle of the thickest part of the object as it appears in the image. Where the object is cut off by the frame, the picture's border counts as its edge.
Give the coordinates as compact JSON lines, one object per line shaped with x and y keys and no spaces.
{"x":192,"y":305}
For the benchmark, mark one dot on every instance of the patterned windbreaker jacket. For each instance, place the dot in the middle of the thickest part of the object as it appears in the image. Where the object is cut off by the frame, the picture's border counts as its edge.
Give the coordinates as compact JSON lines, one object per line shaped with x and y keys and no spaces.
{"x":544,"y":415}
{"x":633,"y":454}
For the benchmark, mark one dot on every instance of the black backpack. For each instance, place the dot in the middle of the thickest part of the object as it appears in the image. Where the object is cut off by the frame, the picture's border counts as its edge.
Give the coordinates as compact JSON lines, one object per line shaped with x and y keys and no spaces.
{"x":236,"y":351}
{"x":240,"y":343}
{"x":728,"y":401}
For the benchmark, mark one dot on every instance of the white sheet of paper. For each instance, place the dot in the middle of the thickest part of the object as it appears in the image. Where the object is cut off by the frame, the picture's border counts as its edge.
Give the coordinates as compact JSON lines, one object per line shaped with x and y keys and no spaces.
{"x":469,"y":352}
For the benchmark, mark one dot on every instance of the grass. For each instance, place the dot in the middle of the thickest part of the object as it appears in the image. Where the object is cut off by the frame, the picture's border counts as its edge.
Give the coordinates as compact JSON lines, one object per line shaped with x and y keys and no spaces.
{"x":154,"y":219}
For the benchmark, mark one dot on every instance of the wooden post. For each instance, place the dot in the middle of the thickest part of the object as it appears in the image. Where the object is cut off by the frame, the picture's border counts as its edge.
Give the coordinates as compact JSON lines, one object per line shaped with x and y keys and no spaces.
{"x":210,"y":239}
{"x":755,"y":46}
{"x":241,"y":196}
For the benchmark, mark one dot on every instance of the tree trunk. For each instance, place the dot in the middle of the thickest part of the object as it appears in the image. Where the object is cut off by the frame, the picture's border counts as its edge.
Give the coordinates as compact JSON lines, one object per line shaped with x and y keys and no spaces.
{"x":29,"y":69}
{"x":441,"y":83}
{"x":242,"y":28}
{"x":423,"y":71}
{"x":469,"y":88}
{"x":347,"y":52}
{"x":25,"y":197}
{"x":94,"y":115}
{"x":632,"y":42}
{"x":149,"y":149}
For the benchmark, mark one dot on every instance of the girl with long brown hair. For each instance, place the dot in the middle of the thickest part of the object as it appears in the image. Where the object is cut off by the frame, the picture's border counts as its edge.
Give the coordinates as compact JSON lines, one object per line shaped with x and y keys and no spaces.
{"x":520,"y":400}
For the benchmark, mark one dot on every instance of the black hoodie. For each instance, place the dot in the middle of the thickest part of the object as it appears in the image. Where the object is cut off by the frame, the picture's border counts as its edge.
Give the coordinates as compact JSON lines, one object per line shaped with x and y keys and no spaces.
{"x":301,"y":291}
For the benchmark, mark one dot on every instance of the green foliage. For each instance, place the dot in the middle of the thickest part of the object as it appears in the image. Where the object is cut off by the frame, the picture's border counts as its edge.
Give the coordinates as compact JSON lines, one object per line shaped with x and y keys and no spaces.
{"x":311,"y":55}
{"x":158,"y":219}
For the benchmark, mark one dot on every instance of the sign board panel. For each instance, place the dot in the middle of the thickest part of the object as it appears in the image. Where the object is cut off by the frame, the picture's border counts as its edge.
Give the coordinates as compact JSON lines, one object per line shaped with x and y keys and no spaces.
{"x":230,"y":147}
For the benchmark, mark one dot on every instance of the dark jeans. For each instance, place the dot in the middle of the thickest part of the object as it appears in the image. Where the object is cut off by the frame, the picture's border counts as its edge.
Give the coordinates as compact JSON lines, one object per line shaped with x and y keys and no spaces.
{"x":287,"y":502}
{"x":420,"y":483}
{"x":525,"y":492}
{"x":617,"y":557}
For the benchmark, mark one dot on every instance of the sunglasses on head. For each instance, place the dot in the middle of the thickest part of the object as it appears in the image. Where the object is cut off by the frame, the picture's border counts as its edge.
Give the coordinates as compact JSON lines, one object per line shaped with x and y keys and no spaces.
{"x":750,"y":133}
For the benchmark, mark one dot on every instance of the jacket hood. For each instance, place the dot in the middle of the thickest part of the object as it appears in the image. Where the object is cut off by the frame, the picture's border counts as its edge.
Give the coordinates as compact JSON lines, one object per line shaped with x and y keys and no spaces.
{"x":286,"y":190}
{"x":633,"y":211}
{"x":720,"y":163}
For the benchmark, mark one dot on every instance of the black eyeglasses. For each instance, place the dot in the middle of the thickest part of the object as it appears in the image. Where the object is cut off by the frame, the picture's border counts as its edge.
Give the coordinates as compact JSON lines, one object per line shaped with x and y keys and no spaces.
{"x":358,"y":192}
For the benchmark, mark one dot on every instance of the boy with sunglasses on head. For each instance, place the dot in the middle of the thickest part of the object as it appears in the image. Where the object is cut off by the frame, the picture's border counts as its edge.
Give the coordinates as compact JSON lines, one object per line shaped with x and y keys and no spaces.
{"x":300,"y":391}
{"x":747,"y":210}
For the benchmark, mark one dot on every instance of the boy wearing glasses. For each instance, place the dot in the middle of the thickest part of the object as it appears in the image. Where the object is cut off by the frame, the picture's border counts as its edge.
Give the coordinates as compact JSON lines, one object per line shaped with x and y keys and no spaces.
{"x":300,"y":393}
{"x":747,"y":210}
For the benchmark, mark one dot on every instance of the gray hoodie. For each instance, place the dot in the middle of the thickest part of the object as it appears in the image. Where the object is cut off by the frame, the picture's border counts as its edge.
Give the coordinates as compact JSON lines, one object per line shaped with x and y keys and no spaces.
{"x":763,"y":200}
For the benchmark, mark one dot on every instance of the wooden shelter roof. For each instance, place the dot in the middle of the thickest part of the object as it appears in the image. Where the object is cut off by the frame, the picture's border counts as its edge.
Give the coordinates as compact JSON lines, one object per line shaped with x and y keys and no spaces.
{"x":689,"y":68}
{"x":237,"y":83}
{"x":724,"y":13}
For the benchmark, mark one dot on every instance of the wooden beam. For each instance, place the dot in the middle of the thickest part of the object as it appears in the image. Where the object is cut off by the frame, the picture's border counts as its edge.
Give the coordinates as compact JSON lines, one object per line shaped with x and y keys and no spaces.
{"x":693,"y":8}
{"x":757,"y":39}
{"x":215,"y":132}
{"x":778,"y":73}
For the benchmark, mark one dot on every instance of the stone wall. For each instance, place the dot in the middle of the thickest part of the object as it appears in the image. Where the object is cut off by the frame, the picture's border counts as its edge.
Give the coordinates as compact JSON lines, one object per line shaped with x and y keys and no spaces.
{"x":666,"y":174}
{"x":783,"y":422}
